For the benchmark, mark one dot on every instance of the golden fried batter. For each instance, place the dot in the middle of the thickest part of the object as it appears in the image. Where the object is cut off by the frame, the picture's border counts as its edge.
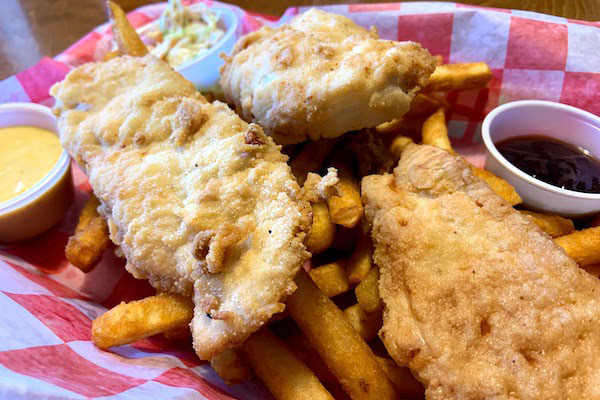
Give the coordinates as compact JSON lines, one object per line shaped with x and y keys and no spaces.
{"x":479,"y":302}
{"x":197,"y":200}
{"x":321,"y":76}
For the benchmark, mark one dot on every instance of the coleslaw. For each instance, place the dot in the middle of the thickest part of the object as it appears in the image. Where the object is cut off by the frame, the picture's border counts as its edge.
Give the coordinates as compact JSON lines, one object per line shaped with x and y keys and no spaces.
{"x":181,"y":33}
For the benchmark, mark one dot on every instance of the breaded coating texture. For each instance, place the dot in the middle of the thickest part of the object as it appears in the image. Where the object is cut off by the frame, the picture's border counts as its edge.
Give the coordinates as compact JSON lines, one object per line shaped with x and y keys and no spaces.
{"x":479,"y":302}
{"x":321,"y":76}
{"x":199,"y":201}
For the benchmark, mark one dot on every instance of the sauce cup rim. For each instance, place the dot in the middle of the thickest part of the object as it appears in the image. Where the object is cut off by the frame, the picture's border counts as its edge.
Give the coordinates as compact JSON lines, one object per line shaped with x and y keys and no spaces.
{"x":491,"y":146}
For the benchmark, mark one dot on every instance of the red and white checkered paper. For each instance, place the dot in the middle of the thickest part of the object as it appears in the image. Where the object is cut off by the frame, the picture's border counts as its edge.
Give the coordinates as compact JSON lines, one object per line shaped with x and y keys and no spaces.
{"x":47,"y":304}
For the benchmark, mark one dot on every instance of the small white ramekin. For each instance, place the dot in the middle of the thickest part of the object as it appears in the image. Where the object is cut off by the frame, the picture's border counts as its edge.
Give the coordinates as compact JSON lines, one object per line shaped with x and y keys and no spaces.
{"x":45,"y":203}
{"x":203,"y":71}
{"x":535,"y":117}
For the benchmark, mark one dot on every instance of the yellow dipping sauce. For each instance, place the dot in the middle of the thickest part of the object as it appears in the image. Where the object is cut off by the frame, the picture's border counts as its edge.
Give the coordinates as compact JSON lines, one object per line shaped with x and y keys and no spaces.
{"x":27,"y":154}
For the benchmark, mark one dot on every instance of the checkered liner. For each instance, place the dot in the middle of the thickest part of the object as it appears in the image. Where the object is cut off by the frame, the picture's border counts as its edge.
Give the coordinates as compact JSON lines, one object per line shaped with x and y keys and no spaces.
{"x":46,"y":352}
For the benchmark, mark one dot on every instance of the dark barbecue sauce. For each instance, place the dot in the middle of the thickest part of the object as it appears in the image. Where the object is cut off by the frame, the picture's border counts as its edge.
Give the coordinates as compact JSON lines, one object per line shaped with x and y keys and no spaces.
{"x":553,"y":161}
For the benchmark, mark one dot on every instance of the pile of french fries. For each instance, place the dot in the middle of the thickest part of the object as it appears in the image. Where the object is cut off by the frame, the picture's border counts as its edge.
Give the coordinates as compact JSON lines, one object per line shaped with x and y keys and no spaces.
{"x":330,"y":347}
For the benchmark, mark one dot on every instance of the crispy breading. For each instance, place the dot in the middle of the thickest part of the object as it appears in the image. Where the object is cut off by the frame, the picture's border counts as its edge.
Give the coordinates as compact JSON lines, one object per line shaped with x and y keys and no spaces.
{"x":479,"y":302}
{"x":321,"y":76}
{"x":198,"y":201}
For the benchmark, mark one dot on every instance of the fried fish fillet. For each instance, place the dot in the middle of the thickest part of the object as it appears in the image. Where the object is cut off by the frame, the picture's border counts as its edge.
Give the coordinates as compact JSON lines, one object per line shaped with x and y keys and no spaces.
{"x":197,"y":200}
{"x":479,"y":302}
{"x":321,"y":76}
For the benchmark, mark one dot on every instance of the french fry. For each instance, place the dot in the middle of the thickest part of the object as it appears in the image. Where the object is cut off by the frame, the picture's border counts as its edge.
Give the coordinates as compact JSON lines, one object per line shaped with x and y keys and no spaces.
{"x":441,"y":98}
{"x":403,"y":125}
{"x":299,"y":345}
{"x":342,"y":349}
{"x":367,"y":325}
{"x":282,"y":372}
{"x":435,"y":132}
{"x":322,"y":231}
{"x":310,"y":158}
{"x":499,"y":186}
{"x":391,"y":127}
{"x":231,"y":367}
{"x":128,"y":322}
{"x":125,"y":35}
{"x":85,"y":248}
{"x":439,"y":60}
{"x":330,"y":278}
{"x":367,"y":292}
{"x":398,"y":144}
{"x":110,"y":55}
{"x":462,"y":76}
{"x":360,"y":261}
{"x":405,"y":383}
{"x":583,"y":246}
{"x":554,"y":225}
{"x":346,"y":208}
{"x":424,"y":104}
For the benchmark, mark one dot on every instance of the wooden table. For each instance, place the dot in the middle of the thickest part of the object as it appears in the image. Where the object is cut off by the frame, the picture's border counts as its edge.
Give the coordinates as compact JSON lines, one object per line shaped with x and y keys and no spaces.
{"x":30,"y":29}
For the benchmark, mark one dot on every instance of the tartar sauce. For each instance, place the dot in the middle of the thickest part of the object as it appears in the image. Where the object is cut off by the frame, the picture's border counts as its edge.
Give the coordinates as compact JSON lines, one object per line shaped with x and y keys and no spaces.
{"x":27,"y":154}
